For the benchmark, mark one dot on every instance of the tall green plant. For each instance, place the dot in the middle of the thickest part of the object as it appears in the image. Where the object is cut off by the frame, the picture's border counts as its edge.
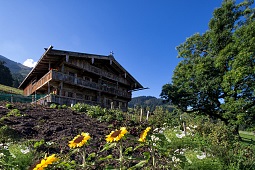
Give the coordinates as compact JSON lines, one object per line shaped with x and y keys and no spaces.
{"x":16,"y":156}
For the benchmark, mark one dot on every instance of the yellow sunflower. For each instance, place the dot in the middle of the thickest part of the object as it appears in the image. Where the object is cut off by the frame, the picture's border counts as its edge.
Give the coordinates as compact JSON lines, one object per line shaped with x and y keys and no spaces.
{"x":79,"y":140}
{"x":45,"y":162}
{"x":116,"y":135}
{"x":144,"y":134}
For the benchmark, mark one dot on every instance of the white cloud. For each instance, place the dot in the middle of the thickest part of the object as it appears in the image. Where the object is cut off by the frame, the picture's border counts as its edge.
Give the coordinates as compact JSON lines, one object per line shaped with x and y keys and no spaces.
{"x":29,"y":63}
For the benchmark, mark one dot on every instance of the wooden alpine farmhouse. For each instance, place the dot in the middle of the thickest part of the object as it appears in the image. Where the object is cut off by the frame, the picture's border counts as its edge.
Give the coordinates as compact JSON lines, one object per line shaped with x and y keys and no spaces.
{"x":66,"y":77}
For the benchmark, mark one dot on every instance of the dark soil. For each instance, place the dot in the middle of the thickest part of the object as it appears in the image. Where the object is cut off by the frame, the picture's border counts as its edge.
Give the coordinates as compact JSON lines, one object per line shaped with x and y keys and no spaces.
{"x":59,"y":126}
{"x":55,"y":125}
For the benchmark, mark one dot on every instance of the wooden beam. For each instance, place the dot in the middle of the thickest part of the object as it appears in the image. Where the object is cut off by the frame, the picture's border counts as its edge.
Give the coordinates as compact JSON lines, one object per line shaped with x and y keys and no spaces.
{"x":67,"y":58}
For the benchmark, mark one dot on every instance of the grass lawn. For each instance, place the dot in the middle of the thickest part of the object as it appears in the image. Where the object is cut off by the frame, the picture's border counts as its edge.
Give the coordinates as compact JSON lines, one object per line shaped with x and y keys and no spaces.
{"x":8,"y":89}
{"x":247,"y":137}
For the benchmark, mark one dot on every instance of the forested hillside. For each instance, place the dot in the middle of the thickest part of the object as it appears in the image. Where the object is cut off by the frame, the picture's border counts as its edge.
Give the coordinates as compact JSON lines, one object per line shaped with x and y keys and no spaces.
{"x":148,"y":101}
{"x":18,"y":71}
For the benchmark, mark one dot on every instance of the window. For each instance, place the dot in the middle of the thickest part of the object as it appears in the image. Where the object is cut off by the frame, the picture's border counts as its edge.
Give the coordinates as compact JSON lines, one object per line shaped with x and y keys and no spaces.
{"x":79,"y":96}
{"x":63,"y":93}
{"x":87,"y":78}
{"x":70,"y":94}
{"x":108,"y":101}
{"x":94,"y":98}
{"x":86,"y":97}
{"x":71,"y":74}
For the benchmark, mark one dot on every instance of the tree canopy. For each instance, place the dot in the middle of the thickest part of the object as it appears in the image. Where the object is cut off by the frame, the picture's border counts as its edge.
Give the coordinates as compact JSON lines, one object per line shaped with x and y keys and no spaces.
{"x":217,"y":74}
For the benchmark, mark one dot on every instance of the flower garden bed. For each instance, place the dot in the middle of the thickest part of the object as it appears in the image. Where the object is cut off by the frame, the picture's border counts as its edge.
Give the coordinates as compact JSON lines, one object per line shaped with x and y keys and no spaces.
{"x":36,"y":137}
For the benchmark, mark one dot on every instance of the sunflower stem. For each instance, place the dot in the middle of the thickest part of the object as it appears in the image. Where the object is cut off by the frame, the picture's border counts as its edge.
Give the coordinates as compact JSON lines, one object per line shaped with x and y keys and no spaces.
{"x":153,"y":155}
{"x":121,"y":156}
{"x":83,"y":157}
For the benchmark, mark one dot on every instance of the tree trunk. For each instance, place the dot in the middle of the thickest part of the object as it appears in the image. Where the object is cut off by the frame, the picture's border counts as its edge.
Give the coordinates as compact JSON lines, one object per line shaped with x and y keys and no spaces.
{"x":236,"y":132}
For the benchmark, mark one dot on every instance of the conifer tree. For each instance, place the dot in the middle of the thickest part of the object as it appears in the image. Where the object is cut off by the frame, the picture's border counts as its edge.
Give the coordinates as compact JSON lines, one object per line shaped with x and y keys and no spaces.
{"x":5,"y":75}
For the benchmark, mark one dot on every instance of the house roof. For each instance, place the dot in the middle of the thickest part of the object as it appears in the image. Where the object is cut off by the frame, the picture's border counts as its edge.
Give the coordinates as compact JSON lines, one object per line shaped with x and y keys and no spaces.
{"x":55,"y":56}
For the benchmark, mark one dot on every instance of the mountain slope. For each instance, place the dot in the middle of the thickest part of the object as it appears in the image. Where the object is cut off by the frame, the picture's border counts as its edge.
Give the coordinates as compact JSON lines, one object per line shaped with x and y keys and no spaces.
{"x":18,"y":71}
{"x":15,"y":67}
{"x":150,"y":101}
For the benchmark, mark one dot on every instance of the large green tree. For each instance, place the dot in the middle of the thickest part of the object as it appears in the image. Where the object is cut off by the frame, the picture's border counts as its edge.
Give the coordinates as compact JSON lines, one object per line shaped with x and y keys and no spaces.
{"x":217,"y":74}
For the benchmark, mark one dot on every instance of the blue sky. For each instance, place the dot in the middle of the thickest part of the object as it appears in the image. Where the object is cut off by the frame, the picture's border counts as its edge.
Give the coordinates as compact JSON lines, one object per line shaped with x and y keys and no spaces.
{"x":142,"y":34}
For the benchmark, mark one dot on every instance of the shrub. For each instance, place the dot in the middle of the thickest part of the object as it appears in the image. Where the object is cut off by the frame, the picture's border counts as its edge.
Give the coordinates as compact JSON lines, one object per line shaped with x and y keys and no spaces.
{"x":39,"y":143}
{"x":80,"y":107}
{"x":9,"y":106}
{"x":161,"y":116}
{"x":64,"y":106}
{"x":96,"y":111}
{"x":53,"y":106}
{"x":116,"y":114}
{"x":196,"y":161}
{"x":14,"y":112}
{"x":20,"y":157}
{"x":59,"y":107}
{"x":8,"y":134}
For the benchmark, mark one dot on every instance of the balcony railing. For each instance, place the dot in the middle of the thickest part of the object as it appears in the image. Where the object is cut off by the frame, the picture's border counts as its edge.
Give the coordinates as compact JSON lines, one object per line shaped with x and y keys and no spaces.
{"x":101,"y":72}
{"x":47,"y":77}
{"x":58,"y":76}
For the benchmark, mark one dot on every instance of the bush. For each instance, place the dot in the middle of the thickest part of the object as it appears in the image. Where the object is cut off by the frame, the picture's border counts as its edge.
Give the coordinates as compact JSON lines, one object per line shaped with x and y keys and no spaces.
{"x":21,"y":156}
{"x":8,"y":134}
{"x":80,"y":107}
{"x":9,"y":106}
{"x":64,"y":106}
{"x":96,"y":111}
{"x":161,"y":116}
{"x":53,"y":106}
{"x":195,"y":162}
{"x":59,"y":107}
{"x":14,"y":112}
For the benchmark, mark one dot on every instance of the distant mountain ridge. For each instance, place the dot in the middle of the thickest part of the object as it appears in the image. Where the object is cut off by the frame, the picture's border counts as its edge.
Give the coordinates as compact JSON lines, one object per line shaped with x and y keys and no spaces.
{"x":15,"y":67}
{"x":150,"y":101}
{"x":18,"y":70}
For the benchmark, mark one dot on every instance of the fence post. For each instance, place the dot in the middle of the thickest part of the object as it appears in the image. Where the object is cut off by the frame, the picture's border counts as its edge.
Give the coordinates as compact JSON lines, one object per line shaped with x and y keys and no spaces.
{"x":147,"y":116}
{"x":112,"y":105}
{"x":141,"y":115}
{"x":35,"y":98}
{"x":11,"y":98}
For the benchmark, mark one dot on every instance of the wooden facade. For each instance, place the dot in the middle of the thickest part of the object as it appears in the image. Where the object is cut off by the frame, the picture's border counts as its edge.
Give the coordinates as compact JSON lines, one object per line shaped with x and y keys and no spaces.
{"x":66,"y":77}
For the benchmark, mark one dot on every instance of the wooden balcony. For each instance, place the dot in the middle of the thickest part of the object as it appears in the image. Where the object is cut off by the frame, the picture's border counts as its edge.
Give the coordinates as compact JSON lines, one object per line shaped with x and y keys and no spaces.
{"x":37,"y":85}
{"x":76,"y":81}
{"x":101,"y":72}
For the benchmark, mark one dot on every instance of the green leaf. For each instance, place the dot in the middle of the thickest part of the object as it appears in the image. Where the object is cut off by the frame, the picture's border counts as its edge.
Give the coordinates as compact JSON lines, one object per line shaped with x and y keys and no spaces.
{"x":139,"y":165}
{"x":139,"y":146}
{"x":92,"y":155}
{"x":108,"y":146}
{"x":106,"y":158}
{"x":76,"y":150}
{"x":147,"y":155}
{"x":129,"y":149}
